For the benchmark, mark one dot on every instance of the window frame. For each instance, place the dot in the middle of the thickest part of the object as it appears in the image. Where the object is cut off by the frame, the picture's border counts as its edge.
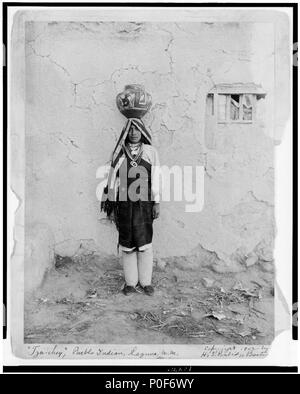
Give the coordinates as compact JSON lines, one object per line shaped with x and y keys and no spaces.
{"x":228,"y":119}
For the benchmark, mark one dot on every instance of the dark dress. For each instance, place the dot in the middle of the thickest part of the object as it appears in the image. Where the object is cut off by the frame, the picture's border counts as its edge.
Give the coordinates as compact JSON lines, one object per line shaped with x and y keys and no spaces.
{"x":134,"y":218}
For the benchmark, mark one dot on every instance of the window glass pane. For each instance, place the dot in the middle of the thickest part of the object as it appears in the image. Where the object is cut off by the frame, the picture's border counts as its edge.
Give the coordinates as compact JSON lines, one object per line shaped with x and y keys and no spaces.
{"x":222,"y":107}
{"x":247,"y":107}
{"x":234,"y":106}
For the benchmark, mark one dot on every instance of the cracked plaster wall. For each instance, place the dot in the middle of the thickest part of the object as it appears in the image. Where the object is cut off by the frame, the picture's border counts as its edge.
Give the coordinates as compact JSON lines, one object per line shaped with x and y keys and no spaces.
{"x":73,"y":73}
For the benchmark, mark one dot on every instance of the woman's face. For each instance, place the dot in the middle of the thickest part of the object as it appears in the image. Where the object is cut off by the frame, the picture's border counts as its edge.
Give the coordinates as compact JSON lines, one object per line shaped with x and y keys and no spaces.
{"x":134,"y":135}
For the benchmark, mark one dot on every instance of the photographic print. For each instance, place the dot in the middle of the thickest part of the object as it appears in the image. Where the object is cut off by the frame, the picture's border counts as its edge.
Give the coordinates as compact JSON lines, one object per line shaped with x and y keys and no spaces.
{"x":143,"y":156}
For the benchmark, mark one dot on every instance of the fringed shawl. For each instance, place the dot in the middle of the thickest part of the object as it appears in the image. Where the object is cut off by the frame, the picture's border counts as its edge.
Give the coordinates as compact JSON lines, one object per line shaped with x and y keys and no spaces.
{"x":110,"y":191}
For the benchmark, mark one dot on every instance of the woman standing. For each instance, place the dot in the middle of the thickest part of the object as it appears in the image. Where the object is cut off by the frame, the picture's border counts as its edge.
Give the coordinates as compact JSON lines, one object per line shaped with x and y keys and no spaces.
{"x":131,"y":199}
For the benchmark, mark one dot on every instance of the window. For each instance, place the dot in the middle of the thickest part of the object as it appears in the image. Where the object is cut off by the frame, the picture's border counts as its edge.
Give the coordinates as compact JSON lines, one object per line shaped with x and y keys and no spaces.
{"x":235,"y":102}
{"x":235,"y":108}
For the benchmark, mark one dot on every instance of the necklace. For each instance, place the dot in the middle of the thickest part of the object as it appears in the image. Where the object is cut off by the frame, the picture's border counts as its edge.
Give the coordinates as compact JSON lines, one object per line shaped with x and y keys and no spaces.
{"x":134,"y":161}
{"x":134,"y":145}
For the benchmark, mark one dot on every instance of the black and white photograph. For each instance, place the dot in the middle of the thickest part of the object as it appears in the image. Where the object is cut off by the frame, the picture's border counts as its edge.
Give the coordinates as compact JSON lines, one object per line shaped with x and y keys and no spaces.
{"x":144,"y":148}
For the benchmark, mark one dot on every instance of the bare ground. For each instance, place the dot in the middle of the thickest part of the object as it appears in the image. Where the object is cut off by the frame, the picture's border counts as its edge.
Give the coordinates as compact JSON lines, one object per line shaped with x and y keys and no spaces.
{"x":82,"y":302}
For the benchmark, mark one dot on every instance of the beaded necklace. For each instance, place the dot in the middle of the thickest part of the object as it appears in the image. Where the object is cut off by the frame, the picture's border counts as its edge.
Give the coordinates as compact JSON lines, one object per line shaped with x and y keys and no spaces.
{"x":134,"y":159}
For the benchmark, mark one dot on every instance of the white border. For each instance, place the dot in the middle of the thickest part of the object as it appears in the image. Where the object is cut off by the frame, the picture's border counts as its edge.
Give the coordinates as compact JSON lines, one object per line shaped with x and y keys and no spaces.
{"x":283,"y":351}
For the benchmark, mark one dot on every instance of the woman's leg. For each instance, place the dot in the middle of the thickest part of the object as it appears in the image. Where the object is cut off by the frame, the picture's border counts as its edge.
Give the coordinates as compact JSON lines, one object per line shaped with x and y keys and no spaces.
{"x":145,"y":266}
{"x":130,"y":268}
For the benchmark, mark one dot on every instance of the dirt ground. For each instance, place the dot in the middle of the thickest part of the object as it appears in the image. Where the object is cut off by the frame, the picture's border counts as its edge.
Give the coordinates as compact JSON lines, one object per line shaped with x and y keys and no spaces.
{"x":81,"y":302}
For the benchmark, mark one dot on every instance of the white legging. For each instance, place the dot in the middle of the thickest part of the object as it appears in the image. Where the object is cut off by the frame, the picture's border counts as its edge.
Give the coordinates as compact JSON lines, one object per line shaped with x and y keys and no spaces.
{"x":138,"y":267}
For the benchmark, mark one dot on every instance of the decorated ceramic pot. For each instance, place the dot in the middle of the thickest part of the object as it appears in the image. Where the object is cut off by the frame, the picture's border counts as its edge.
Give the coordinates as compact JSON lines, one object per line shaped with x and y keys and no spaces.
{"x":134,"y":101}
